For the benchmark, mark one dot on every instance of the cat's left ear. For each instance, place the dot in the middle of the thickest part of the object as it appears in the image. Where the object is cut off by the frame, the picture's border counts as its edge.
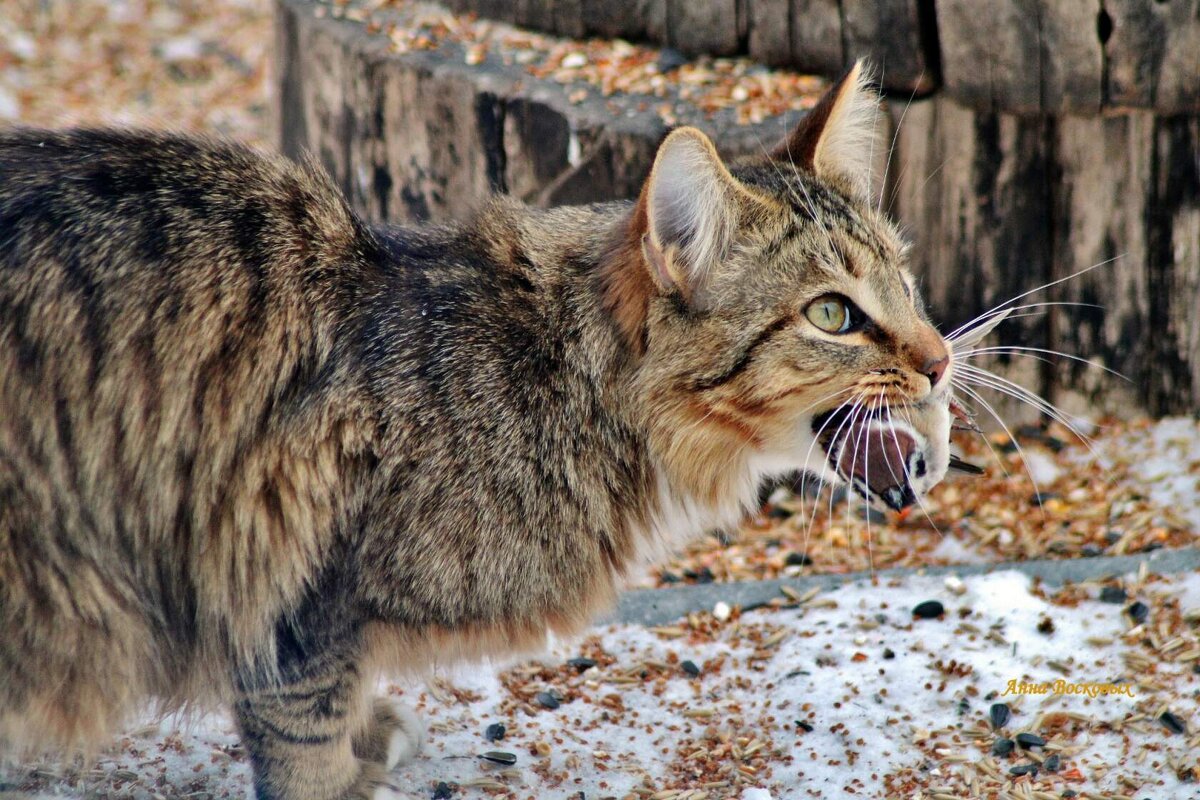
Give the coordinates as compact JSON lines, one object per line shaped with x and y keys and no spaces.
{"x":691,"y":207}
{"x":837,"y":139}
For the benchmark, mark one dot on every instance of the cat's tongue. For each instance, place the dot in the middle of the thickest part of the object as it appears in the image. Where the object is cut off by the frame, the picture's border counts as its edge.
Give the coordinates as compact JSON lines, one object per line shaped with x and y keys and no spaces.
{"x":877,"y":456}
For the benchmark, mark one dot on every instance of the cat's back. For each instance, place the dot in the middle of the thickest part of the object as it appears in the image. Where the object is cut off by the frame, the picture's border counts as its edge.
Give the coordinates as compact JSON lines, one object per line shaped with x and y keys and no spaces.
{"x":111,"y":204}
{"x":171,"y":388}
{"x":158,"y":288}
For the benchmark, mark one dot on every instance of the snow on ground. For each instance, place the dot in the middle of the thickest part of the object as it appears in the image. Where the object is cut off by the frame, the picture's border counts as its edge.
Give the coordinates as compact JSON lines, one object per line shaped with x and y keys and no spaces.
{"x":847,"y":694}
{"x":1165,"y":463}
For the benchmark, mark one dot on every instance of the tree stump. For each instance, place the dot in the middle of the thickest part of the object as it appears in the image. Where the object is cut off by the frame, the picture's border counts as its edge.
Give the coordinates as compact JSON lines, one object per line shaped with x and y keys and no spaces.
{"x":423,"y":135}
{"x":1022,"y":169}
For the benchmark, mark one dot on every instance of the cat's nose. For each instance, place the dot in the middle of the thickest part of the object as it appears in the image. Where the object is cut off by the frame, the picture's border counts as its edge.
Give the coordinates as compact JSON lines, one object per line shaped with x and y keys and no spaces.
{"x":934,"y":369}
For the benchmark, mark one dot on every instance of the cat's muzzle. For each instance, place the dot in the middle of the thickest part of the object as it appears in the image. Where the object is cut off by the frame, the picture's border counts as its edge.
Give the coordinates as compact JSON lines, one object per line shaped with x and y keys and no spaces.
{"x":877,"y":456}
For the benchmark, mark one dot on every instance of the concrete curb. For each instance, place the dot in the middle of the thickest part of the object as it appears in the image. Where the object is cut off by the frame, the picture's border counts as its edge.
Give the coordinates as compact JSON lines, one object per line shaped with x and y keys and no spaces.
{"x":659,"y":606}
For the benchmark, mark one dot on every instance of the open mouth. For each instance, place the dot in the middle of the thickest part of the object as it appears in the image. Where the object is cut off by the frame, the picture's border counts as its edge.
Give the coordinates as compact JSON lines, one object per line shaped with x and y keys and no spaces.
{"x":874,"y":456}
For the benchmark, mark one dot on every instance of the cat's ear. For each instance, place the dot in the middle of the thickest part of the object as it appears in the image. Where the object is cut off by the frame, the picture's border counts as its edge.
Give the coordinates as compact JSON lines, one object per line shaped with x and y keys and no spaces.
{"x":692,"y":208}
{"x":837,"y":138}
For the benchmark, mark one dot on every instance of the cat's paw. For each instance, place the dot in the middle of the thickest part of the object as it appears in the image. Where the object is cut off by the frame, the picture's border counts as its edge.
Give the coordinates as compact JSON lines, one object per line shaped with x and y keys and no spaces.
{"x":394,"y":734}
{"x":407,"y":737}
{"x":387,"y":792}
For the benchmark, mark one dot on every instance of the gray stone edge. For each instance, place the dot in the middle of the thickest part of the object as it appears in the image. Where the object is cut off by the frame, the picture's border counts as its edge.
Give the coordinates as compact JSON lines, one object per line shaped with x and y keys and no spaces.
{"x":660,"y":606}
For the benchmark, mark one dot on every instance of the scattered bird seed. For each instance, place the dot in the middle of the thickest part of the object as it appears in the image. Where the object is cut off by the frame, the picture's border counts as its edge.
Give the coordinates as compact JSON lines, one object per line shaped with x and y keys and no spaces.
{"x":442,"y":791}
{"x":1052,"y":763}
{"x":1002,"y":747}
{"x":500,"y":757}
{"x":1028,"y":740}
{"x":1172,"y":723}
{"x":690,"y":668}
{"x":804,"y":726}
{"x":999,"y":714}
{"x":797,"y":560}
{"x":889,"y":653}
{"x":547,"y":700}
{"x":495,"y":732}
{"x":582,"y":664}
{"x":873,"y":515}
{"x":1023,"y":769}
{"x":1138,"y":612}
{"x":1113,"y":594}
{"x":930,"y":609}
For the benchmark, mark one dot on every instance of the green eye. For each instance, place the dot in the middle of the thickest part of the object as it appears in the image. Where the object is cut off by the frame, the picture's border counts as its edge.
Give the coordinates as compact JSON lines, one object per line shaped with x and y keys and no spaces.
{"x":832,"y":314}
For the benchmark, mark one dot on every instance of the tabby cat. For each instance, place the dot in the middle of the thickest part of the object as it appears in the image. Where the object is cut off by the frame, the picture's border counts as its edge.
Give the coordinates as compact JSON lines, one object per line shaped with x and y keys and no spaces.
{"x":253,"y":451}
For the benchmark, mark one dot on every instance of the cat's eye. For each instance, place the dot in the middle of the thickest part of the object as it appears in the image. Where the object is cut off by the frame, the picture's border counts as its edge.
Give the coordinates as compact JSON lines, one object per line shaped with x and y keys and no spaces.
{"x":833,"y":313}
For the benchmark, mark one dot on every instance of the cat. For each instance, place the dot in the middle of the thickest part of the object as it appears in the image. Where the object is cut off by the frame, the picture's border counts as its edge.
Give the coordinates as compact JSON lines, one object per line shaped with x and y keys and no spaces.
{"x":253,"y":451}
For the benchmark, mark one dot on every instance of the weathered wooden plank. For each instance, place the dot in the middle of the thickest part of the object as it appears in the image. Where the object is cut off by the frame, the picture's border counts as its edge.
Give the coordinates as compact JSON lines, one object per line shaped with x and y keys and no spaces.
{"x":770,"y":35}
{"x":320,"y":77}
{"x":534,"y":14}
{"x":889,"y":33}
{"x":368,"y":180}
{"x":537,"y":146}
{"x":1130,"y":192}
{"x":999,"y":204}
{"x":626,"y":19}
{"x":568,"y":18}
{"x":974,"y":193}
{"x":1022,"y":56}
{"x":289,"y":113}
{"x":708,"y":28}
{"x":817,"y":36}
{"x":974,"y":190}
{"x":503,"y":10}
{"x":1153,"y":55}
{"x":1173,"y":264}
{"x":1100,"y":216}
{"x":439,"y":164}
{"x":610,"y":166}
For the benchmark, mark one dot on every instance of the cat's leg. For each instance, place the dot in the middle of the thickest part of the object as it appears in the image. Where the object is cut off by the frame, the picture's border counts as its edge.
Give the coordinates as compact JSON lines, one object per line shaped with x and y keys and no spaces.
{"x":305,"y":736}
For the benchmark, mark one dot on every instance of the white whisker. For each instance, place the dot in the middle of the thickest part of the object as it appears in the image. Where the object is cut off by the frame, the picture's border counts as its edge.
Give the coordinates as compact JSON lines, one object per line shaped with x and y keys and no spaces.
{"x":966,"y":390}
{"x":1020,"y":451}
{"x":965,"y":330}
{"x":1020,"y":350}
{"x":1002,"y":306}
{"x":1019,"y":392}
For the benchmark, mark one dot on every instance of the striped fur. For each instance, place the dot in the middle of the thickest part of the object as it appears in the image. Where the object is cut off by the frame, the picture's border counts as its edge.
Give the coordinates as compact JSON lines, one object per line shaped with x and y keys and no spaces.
{"x":253,"y":451}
